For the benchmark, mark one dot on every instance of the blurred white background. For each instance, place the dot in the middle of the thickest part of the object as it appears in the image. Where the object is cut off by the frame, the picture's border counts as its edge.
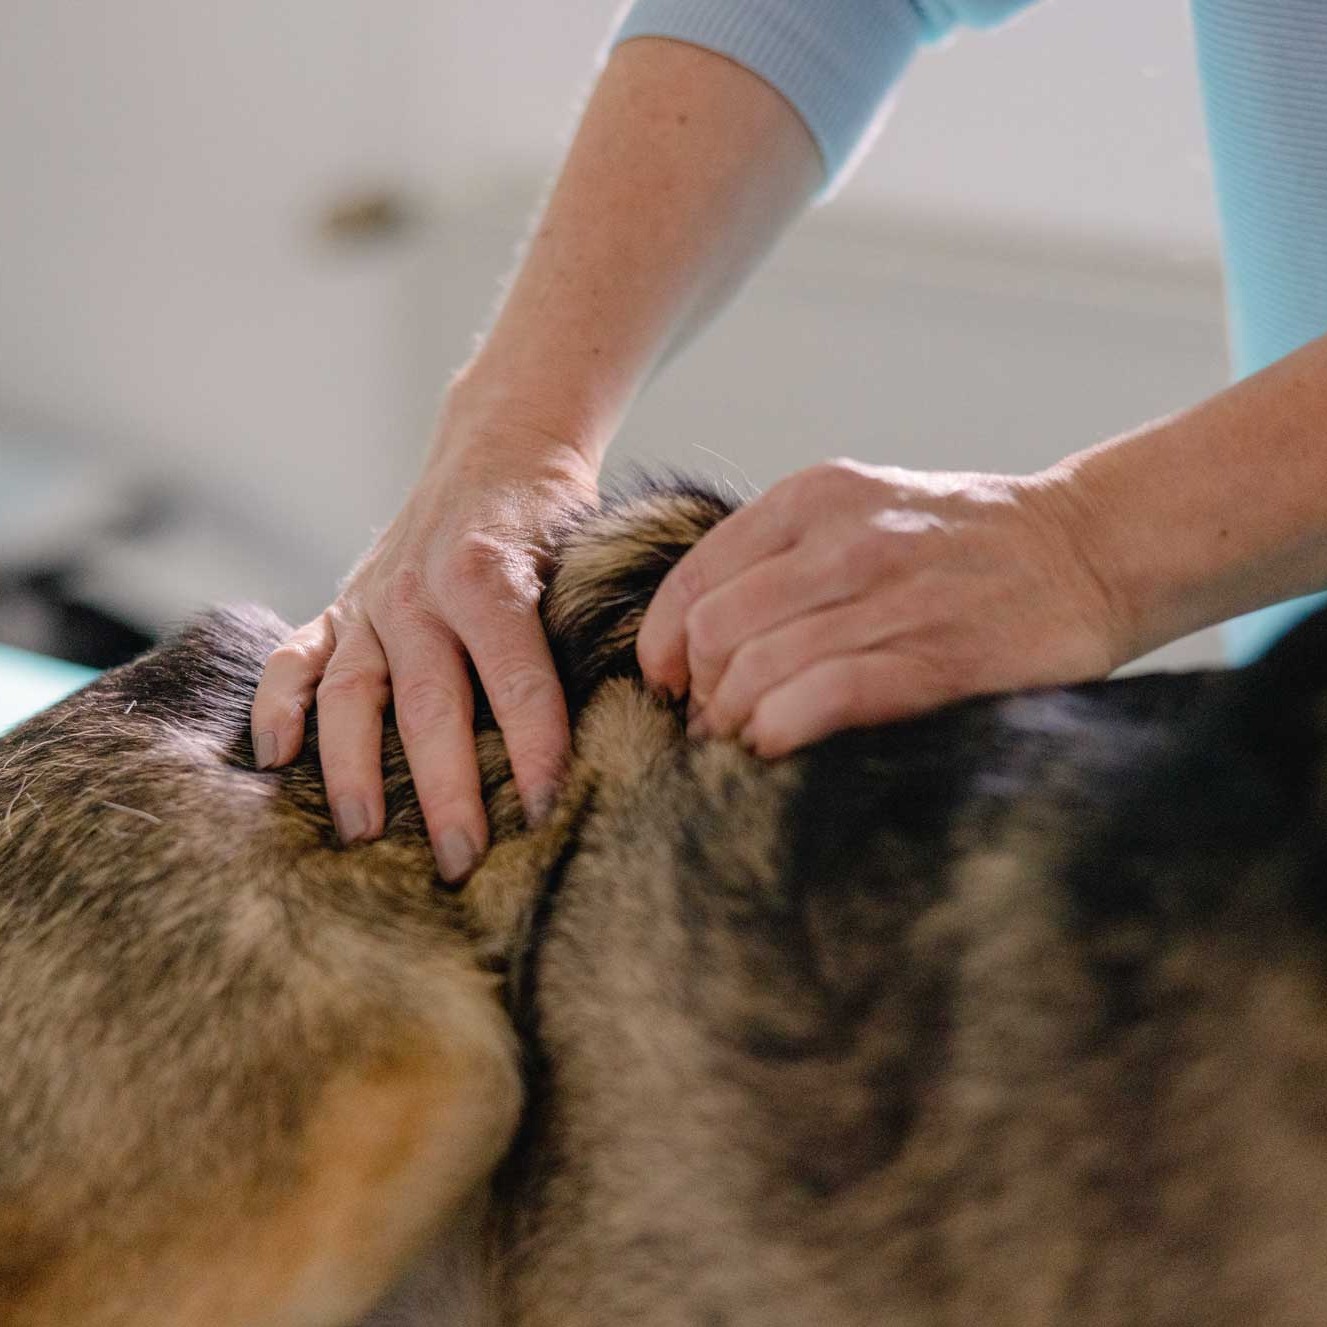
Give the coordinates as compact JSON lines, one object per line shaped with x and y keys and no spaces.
{"x":1025,"y":263}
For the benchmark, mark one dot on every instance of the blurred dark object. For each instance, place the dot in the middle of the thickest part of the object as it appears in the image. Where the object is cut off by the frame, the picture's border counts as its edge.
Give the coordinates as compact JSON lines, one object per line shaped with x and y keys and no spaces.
{"x":58,"y":506}
{"x":102,"y":554}
{"x":37,"y":613}
{"x":364,"y":214}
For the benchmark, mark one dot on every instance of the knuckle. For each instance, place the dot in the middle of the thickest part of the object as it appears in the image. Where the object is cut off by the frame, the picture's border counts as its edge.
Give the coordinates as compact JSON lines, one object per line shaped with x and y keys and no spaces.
{"x":403,"y":593}
{"x":520,"y":686}
{"x":425,"y":704}
{"x":753,"y":664}
{"x":831,"y":473}
{"x":843,"y":561}
{"x":705,"y":633}
{"x":478,"y":558}
{"x":872,"y":555}
{"x":483,"y":573}
{"x":838,"y":466}
{"x":866,"y":547}
{"x":817,"y":484}
{"x":294,"y":656}
{"x":688,"y":580}
{"x":351,"y":682}
{"x":789,"y":494}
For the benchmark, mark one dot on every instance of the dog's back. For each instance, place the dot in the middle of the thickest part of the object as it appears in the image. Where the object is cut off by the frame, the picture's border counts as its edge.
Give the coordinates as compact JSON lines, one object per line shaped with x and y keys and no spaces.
{"x":1011,"y":1015}
{"x":234,"y":1059}
{"x":246,"y":1073}
{"x":1008,"y":1015}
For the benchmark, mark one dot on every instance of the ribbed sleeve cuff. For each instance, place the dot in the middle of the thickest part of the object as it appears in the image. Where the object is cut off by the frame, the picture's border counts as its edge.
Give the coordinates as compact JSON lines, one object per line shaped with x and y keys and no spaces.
{"x":835,"y":60}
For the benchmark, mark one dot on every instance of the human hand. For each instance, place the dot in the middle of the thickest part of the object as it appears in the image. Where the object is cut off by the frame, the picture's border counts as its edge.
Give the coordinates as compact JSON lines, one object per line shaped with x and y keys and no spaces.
{"x":850,"y":595}
{"x":458,"y":573}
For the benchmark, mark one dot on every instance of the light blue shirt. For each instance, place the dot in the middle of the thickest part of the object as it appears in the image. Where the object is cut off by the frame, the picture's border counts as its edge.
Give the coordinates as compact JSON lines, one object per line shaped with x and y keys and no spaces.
{"x":1263,"y":66}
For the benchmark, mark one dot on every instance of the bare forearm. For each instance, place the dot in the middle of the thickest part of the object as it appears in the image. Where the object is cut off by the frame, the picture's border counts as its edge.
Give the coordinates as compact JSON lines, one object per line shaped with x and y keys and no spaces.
{"x":684,"y":170}
{"x":1212,"y":512}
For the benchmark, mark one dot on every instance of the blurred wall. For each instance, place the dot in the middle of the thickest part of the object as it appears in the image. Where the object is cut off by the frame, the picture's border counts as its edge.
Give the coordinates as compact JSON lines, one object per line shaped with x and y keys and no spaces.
{"x":1079,"y":117}
{"x":1024,"y":264}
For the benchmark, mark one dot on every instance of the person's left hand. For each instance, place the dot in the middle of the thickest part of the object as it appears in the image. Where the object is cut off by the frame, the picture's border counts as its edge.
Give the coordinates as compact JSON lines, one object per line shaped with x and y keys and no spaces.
{"x":851,"y":595}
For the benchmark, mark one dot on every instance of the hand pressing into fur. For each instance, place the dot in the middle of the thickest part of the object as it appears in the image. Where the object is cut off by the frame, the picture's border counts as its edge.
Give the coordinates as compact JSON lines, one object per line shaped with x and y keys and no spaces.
{"x":456,"y":576}
{"x":851,"y":595}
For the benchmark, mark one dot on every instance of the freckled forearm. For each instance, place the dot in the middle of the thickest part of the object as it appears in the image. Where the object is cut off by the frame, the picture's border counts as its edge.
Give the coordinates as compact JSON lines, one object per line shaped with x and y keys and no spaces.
{"x":1211,"y":512}
{"x":685,"y":168}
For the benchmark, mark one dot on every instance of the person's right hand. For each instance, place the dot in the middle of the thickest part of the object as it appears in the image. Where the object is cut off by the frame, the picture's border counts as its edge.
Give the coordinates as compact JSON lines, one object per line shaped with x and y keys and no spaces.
{"x":458,"y":573}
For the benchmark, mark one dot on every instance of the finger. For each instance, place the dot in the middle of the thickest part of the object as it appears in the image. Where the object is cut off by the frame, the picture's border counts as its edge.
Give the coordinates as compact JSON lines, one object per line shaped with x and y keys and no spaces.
{"x":849,"y":691}
{"x":751,"y":533}
{"x":777,"y":590}
{"x":286,"y":690}
{"x":514,"y":662}
{"x":767,"y":661}
{"x":434,"y":704}
{"x":351,"y":698}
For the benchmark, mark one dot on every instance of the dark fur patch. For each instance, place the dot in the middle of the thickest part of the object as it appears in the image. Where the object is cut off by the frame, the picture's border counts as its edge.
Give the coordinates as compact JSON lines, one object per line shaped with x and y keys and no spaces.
{"x":1011,"y":1013}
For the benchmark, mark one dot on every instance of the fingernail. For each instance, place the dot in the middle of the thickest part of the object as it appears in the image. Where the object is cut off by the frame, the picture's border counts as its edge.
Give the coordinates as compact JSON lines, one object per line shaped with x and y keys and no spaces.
{"x":264,"y":749}
{"x":352,"y":822}
{"x":455,"y":853}
{"x":540,"y":805}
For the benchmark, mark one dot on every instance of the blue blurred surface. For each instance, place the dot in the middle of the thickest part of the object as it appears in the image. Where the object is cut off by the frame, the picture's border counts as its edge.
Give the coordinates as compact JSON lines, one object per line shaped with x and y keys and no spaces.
{"x":30,"y":682}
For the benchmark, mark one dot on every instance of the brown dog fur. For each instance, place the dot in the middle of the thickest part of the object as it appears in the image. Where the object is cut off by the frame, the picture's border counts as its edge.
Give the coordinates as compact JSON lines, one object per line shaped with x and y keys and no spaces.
{"x":1011,"y":1015}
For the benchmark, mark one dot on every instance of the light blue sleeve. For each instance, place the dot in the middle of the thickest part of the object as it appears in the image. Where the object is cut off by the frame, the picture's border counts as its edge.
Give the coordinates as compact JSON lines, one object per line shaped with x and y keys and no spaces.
{"x":834,"y":60}
{"x":1263,"y":68}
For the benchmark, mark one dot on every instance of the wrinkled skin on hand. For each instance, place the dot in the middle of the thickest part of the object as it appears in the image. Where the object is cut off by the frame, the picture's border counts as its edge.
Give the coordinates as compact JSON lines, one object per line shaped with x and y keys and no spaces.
{"x":457,"y":575}
{"x":851,"y":595}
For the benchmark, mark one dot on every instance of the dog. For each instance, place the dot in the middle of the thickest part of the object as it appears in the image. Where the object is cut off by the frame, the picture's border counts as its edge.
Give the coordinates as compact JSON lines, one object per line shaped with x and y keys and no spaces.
{"x":1010,"y":1014}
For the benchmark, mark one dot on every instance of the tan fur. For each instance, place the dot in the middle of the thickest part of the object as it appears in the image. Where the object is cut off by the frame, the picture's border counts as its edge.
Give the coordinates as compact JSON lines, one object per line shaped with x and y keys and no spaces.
{"x":284,"y":1160}
{"x":246,"y":1074}
{"x":942,"y":1024}
{"x":389,"y":1158}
